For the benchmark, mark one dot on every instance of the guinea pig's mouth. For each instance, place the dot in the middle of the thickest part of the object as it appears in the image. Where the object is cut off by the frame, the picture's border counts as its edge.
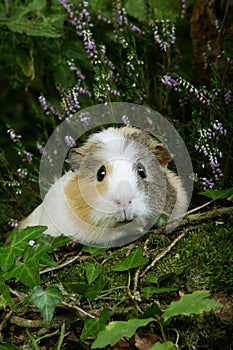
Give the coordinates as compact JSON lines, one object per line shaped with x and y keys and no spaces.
{"x":123,"y":222}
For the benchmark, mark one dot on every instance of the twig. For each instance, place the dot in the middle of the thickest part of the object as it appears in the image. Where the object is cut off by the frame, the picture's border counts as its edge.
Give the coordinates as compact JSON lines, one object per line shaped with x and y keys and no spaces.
{"x":198,"y":208}
{"x":207,"y":215}
{"x":68,"y":262}
{"x":187,"y":220}
{"x":81,"y":313}
{"x":161,"y":255}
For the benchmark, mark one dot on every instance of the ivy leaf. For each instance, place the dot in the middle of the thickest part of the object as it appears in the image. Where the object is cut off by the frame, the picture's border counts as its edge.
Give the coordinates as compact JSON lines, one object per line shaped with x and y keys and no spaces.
{"x":32,"y":254}
{"x":194,"y":303}
{"x":89,"y":291}
{"x":168,"y":345}
{"x":92,"y":291}
{"x":57,"y":242}
{"x":118,"y":329}
{"x":149,"y":291}
{"x":94,"y":251}
{"x":93,"y":326}
{"x":45,"y":300}
{"x":213,"y":194}
{"x":5,"y":297}
{"x":7,"y":258}
{"x":92,"y":271}
{"x":158,"y":279}
{"x":27,"y":274}
{"x":133,"y":260}
{"x":153,"y":310}
{"x":21,"y":237}
{"x":46,"y":260}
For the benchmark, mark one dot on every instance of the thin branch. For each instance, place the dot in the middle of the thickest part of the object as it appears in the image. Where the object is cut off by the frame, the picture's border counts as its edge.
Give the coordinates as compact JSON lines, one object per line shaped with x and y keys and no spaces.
{"x":162,"y":254}
{"x":187,"y":220}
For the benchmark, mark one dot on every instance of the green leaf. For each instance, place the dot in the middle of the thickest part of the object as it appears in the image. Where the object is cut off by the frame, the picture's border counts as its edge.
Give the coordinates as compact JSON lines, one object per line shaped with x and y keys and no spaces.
{"x":223,"y":194}
{"x":153,"y":310}
{"x":117,"y":330}
{"x":5,"y":297}
{"x":136,"y":9}
{"x":94,"y":251}
{"x":27,"y":274}
{"x":89,"y":291}
{"x":7,"y":258}
{"x":133,"y":260}
{"x":194,"y":303}
{"x":92,"y":271}
{"x":46,"y":260}
{"x":94,"y":290}
{"x":45,"y":300}
{"x":57,"y":242}
{"x":7,"y":345}
{"x":168,"y":345}
{"x":26,"y":62}
{"x":32,"y":27}
{"x":36,"y":5}
{"x":33,"y":254}
{"x":92,"y":326}
{"x":166,"y":276}
{"x":166,"y":9}
{"x":19,"y":241}
{"x":21,"y":237}
{"x":149,"y":291}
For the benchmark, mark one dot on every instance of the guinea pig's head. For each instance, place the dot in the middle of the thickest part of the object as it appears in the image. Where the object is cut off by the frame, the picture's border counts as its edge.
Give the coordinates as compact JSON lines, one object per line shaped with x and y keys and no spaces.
{"x":120,"y":177}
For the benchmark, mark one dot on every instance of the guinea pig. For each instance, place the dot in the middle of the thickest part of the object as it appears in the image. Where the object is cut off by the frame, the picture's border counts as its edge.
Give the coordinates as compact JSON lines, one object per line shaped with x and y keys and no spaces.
{"x":118,"y":187}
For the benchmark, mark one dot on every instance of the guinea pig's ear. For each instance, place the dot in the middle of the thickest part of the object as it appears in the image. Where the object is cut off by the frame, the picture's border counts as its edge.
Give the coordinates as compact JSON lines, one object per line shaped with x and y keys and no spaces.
{"x":162,"y":154}
{"x":75,"y":157}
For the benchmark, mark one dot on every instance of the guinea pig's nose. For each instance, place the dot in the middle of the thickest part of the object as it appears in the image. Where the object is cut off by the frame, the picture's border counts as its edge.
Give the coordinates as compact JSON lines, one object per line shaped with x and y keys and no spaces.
{"x":123,"y":193}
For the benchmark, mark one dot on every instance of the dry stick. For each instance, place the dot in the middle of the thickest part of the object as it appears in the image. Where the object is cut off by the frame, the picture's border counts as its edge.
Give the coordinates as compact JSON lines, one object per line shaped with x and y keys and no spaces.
{"x":81,"y":313}
{"x":189,"y":219}
{"x":164,"y":252}
{"x":207,"y":215}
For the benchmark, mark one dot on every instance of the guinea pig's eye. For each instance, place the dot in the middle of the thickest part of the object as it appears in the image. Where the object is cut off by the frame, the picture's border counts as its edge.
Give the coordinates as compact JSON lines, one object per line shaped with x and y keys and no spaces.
{"x":101,"y":173}
{"x":141,"y":171}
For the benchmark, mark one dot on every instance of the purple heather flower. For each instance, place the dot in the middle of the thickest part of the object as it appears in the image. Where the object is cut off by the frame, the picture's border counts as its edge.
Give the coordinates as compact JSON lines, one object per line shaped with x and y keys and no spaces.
{"x":183,"y":8}
{"x":164,"y":34}
{"x":125,"y":120}
{"x":84,"y":118}
{"x":22,"y":173}
{"x":228,"y":96}
{"x":70,"y":141}
{"x":13,"y":136}
{"x":40,"y":148}
{"x":205,"y":145}
{"x":13,"y":223}
{"x":171,"y":82}
{"x":136,"y":30}
{"x":104,"y":19}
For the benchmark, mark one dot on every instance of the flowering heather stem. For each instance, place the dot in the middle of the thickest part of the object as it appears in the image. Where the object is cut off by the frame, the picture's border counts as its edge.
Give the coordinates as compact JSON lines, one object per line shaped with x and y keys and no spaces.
{"x":206,"y":145}
{"x":178,"y":83}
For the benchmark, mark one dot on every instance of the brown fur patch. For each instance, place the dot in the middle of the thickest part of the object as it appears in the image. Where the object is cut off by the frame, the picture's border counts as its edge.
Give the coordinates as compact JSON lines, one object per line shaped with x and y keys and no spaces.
{"x":75,"y":200}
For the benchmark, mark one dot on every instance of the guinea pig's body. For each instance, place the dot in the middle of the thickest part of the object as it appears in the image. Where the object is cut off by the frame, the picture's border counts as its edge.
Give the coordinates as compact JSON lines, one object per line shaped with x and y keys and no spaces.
{"x":119,"y":187}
